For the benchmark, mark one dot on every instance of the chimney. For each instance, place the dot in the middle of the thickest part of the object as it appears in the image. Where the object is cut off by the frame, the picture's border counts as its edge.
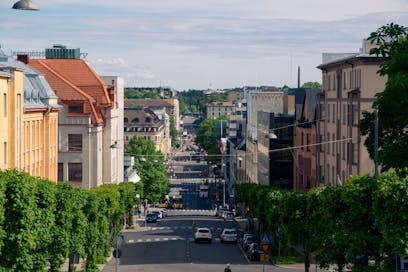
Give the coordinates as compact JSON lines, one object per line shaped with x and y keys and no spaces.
{"x":23,"y":58}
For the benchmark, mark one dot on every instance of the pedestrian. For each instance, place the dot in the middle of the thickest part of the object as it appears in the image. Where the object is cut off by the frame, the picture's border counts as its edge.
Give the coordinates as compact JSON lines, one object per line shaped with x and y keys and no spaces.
{"x":227,"y":269}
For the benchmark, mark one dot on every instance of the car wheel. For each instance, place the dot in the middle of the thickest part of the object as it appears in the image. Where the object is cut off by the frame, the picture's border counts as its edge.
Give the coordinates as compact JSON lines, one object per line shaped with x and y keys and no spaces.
{"x":195,"y":241}
{"x":222,"y":241}
{"x":209,"y":241}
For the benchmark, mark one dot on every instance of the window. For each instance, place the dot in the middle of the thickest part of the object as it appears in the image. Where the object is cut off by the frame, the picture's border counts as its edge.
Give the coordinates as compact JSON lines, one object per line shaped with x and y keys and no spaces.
{"x":75,"y":172}
{"x":60,"y":171}
{"x":343,"y":144}
{"x":135,"y":120}
{"x":5,"y":105}
{"x":308,"y":142}
{"x":328,"y":112}
{"x":344,"y":80}
{"x":74,"y":142}
{"x":344,"y":113}
{"x":334,"y":113}
{"x":327,"y":143}
{"x":329,"y":83}
{"x":301,"y":141}
{"x":5,"y":152}
{"x":333,"y":144}
{"x":76,"y":108}
{"x":328,"y":172}
{"x":356,"y":115}
{"x":307,"y":182}
{"x":148,"y":119}
{"x":125,"y":120}
{"x":354,"y":154}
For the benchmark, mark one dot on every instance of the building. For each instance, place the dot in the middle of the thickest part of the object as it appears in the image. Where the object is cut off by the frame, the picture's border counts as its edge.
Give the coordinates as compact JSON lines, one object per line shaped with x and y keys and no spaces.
{"x":30,"y":137}
{"x":171,"y":106}
{"x":89,"y":144}
{"x":349,"y":87}
{"x":217,"y":109}
{"x":256,"y":102}
{"x":274,"y":150}
{"x":145,"y":123}
{"x":305,"y":173}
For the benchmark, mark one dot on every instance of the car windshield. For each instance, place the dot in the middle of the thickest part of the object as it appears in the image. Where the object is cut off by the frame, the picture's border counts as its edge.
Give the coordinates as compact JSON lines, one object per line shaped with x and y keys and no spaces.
{"x":203,"y":231}
{"x":230,"y":232}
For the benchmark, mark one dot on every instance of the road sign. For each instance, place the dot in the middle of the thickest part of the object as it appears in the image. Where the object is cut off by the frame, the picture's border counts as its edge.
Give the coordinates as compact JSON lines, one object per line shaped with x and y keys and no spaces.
{"x":402,"y":263}
{"x":266,"y":238}
{"x":278,"y":235}
{"x":264,"y":257}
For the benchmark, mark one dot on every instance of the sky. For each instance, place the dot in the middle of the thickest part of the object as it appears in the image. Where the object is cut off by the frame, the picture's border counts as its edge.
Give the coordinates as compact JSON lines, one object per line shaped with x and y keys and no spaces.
{"x":206,"y":44}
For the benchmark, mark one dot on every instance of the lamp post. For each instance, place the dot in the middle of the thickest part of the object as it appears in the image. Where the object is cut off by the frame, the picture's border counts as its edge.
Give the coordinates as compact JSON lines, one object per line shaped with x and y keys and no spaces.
{"x":25,"y":5}
{"x":223,"y":193}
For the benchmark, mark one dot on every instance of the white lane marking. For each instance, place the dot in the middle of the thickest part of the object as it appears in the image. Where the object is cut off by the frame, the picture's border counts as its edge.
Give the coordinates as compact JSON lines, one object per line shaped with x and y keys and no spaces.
{"x":131,"y":241}
{"x":157,"y":239}
{"x":165,"y":239}
{"x":139,"y":240}
{"x":148,"y":240}
{"x":173,"y":238}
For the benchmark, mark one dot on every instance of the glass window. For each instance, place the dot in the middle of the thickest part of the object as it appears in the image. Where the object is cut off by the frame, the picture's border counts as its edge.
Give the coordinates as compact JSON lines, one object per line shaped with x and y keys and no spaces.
{"x":74,"y":142}
{"x":5,"y":105}
{"x":125,"y":120}
{"x":60,"y":171}
{"x":75,"y":172}
{"x":75,"y":108}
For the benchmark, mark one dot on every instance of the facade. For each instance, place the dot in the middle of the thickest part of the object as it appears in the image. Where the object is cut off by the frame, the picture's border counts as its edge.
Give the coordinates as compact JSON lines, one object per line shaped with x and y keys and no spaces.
{"x":305,"y":173}
{"x":256,"y":102}
{"x":275,"y":159}
{"x":349,"y":88}
{"x":88,"y":142}
{"x":170,"y":104}
{"x":145,"y":123}
{"x":217,"y":109}
{"x":33,"y":121}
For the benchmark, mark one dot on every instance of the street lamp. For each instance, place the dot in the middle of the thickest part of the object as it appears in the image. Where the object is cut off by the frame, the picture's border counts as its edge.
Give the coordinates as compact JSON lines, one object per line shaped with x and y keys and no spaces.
{"x":26,"y":5}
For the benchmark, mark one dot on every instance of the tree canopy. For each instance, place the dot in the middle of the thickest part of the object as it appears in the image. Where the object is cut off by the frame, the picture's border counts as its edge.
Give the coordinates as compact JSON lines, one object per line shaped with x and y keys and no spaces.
{"x":392,"y":103}
{"x":205,"y":139}
{"x":149,"y":164}
{"x":312,"y":85}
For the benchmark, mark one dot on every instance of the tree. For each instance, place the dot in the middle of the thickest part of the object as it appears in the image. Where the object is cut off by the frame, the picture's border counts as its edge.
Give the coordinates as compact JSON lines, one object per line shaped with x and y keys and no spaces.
{"x":150,"y":167}
{"x":392,"y":103}
{"x":312,"y":85}
{"x":205,"y":139}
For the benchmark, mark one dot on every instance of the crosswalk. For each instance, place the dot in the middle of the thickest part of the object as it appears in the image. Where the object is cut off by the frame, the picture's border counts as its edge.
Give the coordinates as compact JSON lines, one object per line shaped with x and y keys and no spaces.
{"x":167,"y":239}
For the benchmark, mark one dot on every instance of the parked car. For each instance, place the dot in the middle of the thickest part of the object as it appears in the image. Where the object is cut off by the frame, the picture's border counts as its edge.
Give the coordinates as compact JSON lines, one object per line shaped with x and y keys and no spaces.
{"x":151,"y":218}
{"x":158,"y":213}
{"x":229,"y":235}
{"x":228,"y":216}
{"x":203,"y":234}
{"x":248,"y":241}
{"x":254,"y":252}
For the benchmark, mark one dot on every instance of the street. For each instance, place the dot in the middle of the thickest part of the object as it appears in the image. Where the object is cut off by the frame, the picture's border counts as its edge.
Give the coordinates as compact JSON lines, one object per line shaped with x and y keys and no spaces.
{"x":168,"y":245}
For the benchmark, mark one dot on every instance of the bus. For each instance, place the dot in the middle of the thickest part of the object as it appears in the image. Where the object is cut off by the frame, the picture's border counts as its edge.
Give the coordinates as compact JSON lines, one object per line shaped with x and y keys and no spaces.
{"x":164,"y":203}
{"x":177,"y":202}
{"x":203,"y":191}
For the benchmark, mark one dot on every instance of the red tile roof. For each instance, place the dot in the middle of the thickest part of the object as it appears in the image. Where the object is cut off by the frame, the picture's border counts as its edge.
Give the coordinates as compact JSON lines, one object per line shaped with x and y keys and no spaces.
{"x":75,"y":80}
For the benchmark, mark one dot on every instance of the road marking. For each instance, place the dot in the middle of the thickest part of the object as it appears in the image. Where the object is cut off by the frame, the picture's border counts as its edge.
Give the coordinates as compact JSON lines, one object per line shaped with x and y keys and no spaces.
{"x":173,"y":238}
{"x":139,"y":240}
{"x":131,"y":241}
{"x":166,"y":239}
{"x":157,"y":239}
{"x":148,"y":240}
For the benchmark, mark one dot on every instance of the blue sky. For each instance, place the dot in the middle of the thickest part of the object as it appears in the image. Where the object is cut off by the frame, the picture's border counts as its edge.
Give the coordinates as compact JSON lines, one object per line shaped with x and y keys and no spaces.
{"x":191,"y":44}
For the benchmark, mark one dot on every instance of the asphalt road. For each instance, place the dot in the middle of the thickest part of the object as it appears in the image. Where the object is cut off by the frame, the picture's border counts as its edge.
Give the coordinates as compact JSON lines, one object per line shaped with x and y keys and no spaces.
{"x":168,"y":245}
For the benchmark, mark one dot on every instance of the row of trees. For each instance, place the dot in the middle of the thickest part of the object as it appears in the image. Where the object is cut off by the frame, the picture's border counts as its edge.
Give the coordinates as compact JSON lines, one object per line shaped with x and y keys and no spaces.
{"x":366,"y":219}
{"x":42,"y":223}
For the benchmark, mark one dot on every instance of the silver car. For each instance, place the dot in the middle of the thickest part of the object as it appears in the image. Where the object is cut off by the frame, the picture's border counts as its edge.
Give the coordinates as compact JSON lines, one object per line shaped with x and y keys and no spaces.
{"x":229,"y":235}
{"x":228,"y":216}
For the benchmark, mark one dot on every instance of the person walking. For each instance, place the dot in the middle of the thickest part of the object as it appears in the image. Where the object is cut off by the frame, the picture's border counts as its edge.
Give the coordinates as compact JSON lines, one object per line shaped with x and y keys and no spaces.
{"x":227,"y":269}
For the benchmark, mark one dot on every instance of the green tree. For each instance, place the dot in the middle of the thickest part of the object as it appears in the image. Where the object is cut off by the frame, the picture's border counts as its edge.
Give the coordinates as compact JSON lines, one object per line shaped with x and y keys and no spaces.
{"x":20,"y":243}
{"x":392,"y":103}
{"x":312,"y":85}
{"x":150,"y":167}
{"x":132,"y":93}
{"x":205,"y":139}
{"x":2,"y":202}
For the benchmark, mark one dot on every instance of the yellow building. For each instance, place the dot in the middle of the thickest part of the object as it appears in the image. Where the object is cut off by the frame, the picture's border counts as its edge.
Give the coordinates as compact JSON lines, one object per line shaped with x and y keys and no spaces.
{"x":30,"y":116}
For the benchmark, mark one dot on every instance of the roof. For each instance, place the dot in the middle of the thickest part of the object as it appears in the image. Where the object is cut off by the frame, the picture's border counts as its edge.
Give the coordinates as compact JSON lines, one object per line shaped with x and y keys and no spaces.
{"x":37,"y":91}
{"x":349,"y":58}
{"x":220,"y":104}
{"x":75,"y":80}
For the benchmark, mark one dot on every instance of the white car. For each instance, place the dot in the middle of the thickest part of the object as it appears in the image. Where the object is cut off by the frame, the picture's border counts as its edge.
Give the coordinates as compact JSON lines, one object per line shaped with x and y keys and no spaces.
{"x":159,"y":214}
{"x":203,"y":234}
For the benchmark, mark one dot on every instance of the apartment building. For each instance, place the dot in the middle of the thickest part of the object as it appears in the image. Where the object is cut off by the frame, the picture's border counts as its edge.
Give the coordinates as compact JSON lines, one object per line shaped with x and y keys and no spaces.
{"x":30,"y":121}
{"x":305,"y":173}
{"x":349,"y":87}
{"x":145,"y":123}
{"x":89,"y":143}
{"x":258,"y":101}
{"x":171,"y":105}
{"x":217,"y":109}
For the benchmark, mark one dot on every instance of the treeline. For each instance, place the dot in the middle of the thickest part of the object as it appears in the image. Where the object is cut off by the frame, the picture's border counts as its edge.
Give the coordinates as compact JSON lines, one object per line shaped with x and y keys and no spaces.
{"x":364,"y":222}
{"x":42,"y":223}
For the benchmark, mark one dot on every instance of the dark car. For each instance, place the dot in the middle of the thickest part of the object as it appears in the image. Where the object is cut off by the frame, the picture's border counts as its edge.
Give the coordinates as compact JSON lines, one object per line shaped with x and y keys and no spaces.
{"x":151,"y":218}
{"x":254,"y":252}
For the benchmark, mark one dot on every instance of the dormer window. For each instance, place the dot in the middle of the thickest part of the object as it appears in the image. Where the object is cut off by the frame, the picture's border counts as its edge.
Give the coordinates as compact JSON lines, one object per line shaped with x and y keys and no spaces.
{"x":78,"y":108}
{"x":148,"y":119}
{"x":136,"y":120}
{"x":125,"y":120}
